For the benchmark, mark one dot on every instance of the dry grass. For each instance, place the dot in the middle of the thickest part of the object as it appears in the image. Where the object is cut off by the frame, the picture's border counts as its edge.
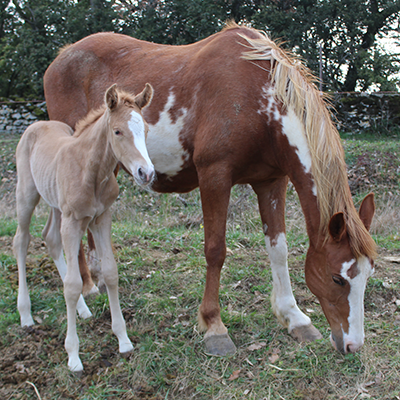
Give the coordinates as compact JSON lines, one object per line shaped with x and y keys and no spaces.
{"x":159,"y":250}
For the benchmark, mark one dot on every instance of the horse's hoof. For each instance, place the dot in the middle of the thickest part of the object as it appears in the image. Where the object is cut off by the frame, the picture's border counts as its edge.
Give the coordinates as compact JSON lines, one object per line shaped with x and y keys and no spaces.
{"x":220,"y":345}
{"x":85,"y":314}
{"x":94,"y":291}
{"x":78,"y":374}
{"x":306,"y":333}
{"x":127,"y":354}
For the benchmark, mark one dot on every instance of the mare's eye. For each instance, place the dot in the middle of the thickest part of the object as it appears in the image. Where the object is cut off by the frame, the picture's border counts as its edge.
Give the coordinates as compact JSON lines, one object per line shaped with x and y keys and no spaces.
{"x":117,"y":132}
{"x":339,"y":281}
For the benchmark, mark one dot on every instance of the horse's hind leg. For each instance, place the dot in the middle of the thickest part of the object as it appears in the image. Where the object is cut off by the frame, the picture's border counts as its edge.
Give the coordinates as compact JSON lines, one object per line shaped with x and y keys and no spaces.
{"x":27,"y":199}
{"x":101,"y":229}
{"x":271,"y":200}
{"x":52,"y":237}
{"x":94,"y":263}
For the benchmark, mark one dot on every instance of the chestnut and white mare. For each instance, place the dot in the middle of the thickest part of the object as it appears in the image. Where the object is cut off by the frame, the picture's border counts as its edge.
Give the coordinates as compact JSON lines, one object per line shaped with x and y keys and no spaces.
{"x":73,"y":173}
{"x":235,"y":108}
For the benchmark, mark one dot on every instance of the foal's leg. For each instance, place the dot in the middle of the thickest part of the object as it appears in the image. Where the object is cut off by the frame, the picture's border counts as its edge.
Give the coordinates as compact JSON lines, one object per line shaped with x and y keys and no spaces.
{"x":215,"y":193}
{"x":71,"y":234}
{"x":27,"y":199}
{"x":52,"y":237}
{"x":271,"y":199}
{"x":101,"y":229}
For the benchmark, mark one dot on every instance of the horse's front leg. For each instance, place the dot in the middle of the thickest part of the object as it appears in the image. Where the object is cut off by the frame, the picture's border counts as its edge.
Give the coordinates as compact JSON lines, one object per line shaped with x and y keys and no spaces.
{"x":72,"y":231}
{"x":101,"y":230}
{"x":215,"y":192}
{"x":271,"y":199}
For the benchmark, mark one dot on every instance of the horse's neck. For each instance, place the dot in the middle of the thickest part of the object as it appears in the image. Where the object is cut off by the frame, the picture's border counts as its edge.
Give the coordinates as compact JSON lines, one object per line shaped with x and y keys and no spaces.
{"x":306,"y":190}
{"x":99,"y":157}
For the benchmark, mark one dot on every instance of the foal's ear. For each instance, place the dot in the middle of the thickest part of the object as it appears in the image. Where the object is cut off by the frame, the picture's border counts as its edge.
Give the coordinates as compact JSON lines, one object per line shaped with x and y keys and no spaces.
{"x":112,"y":97}
{"x":367,"y":210}
{"x":337,"y":227}
{"x":143,"y":99}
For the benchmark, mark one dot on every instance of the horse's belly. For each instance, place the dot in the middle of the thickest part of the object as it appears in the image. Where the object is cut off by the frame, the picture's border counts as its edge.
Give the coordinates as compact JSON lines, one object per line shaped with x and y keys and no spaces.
{"x":46,"y":183}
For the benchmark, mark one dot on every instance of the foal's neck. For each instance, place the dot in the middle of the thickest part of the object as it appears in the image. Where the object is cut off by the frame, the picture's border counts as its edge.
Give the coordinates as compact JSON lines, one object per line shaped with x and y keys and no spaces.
{"x":100,"y":158}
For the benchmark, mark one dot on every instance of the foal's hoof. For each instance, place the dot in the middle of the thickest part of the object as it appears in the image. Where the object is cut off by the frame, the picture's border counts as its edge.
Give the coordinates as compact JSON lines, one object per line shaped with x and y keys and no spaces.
{"x":78,"y":374}
{"x":92,"y":292}
{"x":306,"y":333}
{"x":220,"y":345}
{"x":127,"y":354}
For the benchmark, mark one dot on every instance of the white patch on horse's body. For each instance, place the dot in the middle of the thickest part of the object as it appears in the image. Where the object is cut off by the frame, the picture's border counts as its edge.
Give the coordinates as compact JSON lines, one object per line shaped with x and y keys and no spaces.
{"x":282,"y":299}
{"x":163,"y":145}
{"x":355,"y":335}
{"x":136,"y":125}
{"x":271,"y":110}
{"x":293,"y":129}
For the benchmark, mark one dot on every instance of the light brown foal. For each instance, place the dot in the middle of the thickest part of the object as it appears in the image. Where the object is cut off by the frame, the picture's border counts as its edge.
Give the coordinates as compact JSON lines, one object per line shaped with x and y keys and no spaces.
{"x":74,"y":175}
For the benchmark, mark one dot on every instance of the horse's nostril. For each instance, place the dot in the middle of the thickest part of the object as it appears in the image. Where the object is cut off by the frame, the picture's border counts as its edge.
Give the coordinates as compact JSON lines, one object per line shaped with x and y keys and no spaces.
{"x":141,"y":174}
{"x":348,"y":349}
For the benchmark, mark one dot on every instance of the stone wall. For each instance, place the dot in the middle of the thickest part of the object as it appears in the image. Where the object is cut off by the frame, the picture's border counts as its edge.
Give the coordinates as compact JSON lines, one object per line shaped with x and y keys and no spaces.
{"x":15,"y":117}
{"x":354,"y":112}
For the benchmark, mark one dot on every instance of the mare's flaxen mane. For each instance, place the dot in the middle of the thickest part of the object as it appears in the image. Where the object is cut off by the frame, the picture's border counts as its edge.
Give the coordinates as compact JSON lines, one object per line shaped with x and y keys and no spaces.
{"x":294,"y":86}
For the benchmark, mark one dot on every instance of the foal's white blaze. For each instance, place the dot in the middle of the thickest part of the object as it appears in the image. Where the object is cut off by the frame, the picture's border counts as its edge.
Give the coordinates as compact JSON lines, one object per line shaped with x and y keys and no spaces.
{"x":282,"y":299}
{"x":354,"y":338}
{"x":293,"y":129}
{"x":163,"y":140}
{"x":136,"y":125}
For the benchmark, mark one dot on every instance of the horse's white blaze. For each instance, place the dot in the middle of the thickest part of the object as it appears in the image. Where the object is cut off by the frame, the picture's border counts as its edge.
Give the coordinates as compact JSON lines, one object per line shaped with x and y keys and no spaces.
{"x":163,"y":142}
{"x":293,"y":129}
{"x":136,"y":125}
{"x":355,"y":335}
{"x":282,"y":299}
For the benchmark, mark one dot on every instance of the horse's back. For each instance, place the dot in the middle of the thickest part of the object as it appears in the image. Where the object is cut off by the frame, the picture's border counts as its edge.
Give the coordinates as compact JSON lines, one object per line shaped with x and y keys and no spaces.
{"x":41,"y":141}
{"x":76,"y":80}
{"x":40,"y":131}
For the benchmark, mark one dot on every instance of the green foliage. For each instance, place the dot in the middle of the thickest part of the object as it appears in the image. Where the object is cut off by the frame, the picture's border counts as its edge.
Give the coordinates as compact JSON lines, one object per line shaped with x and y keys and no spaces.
{"x":31,"y":33}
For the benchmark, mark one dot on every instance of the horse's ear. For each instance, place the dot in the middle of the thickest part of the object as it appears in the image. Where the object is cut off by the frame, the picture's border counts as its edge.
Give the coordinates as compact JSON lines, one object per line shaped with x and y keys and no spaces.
{"x":367,"y":210}
{"x":337,"y":227}
{"x":112,"y":97}
{"x":143,"y":99}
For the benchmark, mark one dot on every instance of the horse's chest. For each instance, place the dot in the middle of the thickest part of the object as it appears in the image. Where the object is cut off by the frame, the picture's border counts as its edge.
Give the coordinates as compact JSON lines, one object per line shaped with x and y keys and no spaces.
{"x":164,"y":140}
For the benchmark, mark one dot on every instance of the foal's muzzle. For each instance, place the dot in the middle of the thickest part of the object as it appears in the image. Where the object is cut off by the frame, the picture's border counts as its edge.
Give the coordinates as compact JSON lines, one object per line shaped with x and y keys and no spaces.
{"x":145,"y":176}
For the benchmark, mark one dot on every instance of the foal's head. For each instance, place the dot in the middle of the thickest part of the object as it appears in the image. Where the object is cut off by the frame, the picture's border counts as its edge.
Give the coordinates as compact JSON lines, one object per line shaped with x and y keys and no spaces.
{"x":337,"y":275}
{"x":128,"y":131}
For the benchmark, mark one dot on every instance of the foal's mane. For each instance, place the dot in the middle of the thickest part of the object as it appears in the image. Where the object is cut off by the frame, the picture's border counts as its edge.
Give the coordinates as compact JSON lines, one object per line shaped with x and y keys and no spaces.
{"x":295,"y":87}
{"x":94,"y":115}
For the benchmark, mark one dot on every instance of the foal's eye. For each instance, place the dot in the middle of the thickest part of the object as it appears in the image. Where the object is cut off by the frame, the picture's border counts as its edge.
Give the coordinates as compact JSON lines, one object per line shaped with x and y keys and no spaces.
{"x":117,"y":132}
{"x":339,"y":281}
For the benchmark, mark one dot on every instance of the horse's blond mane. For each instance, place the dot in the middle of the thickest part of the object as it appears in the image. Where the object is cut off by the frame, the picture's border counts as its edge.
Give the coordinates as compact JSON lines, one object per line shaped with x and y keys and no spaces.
{"x":94,"y":115}
{"x":88,"y":120}
{"x":294,"y":86}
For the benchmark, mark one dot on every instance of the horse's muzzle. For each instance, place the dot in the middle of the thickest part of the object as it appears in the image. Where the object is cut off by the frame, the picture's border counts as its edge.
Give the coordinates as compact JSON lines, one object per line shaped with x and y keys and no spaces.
{"x":345,"y":346}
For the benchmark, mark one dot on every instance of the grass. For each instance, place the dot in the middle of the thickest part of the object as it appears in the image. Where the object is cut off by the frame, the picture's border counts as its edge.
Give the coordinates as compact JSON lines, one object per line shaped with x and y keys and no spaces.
{"x":159,"y":251}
